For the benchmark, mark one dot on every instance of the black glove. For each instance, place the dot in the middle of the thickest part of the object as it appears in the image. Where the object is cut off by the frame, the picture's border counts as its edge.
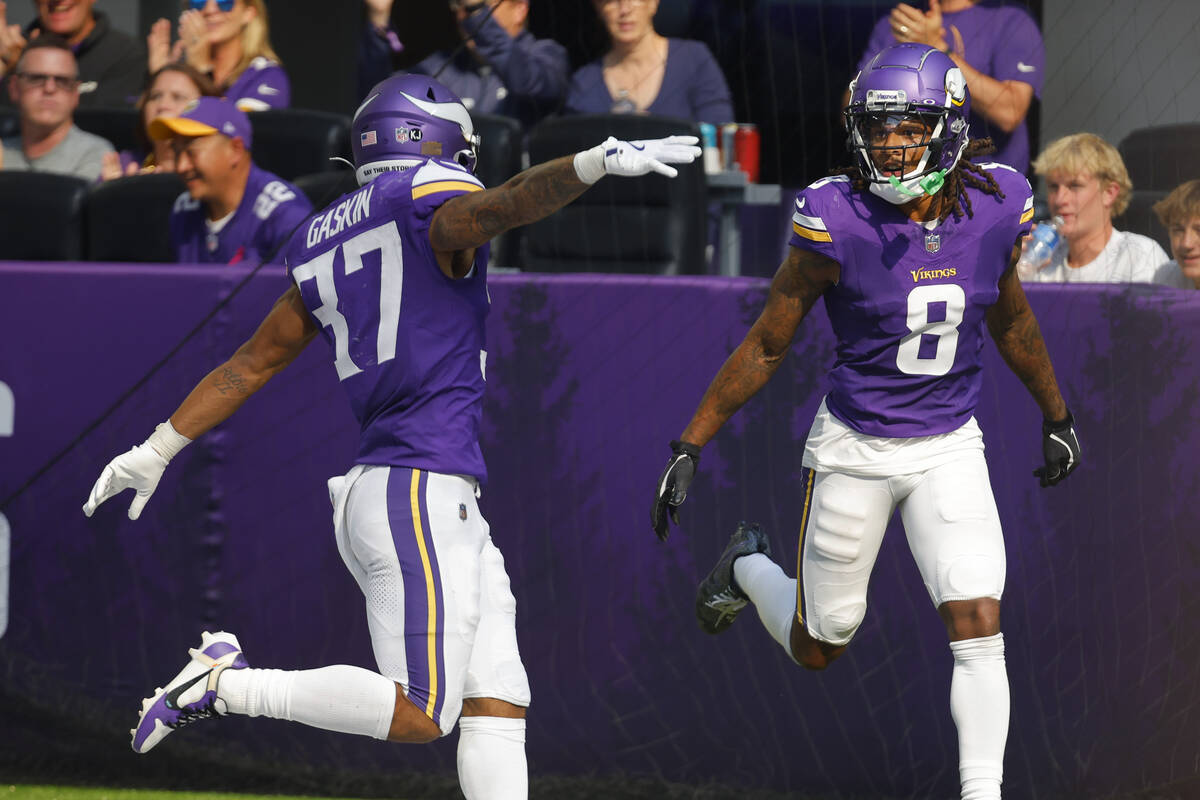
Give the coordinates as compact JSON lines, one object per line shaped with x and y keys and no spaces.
{"x":673,"y":485}
{"x":1060,"y":447}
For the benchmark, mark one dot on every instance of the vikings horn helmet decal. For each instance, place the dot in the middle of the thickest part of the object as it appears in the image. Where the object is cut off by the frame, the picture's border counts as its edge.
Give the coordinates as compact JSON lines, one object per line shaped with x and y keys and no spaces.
{"x":904,"y":83}
{"x":406,"y":120}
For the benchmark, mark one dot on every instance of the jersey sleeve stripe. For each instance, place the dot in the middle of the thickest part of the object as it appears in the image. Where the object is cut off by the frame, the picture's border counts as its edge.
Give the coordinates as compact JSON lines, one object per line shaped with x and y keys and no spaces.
{"x":813,"y":223}
{"x":812,"y":235}
{"x":444,"y":186}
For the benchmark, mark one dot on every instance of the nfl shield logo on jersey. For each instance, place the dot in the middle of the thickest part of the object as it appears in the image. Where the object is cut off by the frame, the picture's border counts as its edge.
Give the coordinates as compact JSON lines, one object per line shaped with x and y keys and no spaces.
{"x":933,"y":242}
{"x":402,"y":135}
{"x":462,"y":511}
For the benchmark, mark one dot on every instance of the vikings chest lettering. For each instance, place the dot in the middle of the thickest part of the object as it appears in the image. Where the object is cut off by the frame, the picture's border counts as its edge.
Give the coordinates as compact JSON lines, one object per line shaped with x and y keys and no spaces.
{"x":350,"y":211}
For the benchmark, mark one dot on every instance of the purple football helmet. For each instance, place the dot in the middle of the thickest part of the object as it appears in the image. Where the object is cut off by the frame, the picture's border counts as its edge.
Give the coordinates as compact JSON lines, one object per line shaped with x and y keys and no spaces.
{"x":917,"y":89}
{"x":406,"y":120}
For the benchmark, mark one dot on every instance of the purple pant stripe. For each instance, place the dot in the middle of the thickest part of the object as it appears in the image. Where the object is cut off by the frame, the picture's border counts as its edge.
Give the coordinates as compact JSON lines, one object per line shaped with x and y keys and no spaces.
{"x":423,"y":606}
{"x":439,"y":599}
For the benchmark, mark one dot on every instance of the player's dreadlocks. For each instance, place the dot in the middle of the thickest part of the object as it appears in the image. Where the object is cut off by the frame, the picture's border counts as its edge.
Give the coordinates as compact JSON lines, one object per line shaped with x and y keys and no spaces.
{"x":966,"y":173}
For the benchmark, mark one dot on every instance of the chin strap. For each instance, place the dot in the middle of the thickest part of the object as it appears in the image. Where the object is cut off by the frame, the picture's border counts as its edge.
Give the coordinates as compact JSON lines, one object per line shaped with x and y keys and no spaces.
{"x":930,"y":184}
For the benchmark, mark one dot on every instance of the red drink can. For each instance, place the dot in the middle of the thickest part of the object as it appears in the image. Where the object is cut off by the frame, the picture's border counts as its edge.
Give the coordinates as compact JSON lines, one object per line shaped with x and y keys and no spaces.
{"x":746,"y":148}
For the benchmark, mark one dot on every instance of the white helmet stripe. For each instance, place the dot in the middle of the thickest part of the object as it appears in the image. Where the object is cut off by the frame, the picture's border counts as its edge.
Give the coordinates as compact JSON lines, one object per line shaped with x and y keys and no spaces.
{"x":454,"y":112}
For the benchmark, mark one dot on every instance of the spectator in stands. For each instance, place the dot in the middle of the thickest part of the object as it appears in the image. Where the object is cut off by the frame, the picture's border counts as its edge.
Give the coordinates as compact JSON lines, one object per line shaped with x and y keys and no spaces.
{"x":45,"y":89}
{"x":232,"y":210}
{"x":167,"y":93}
{"x":1087,"y":185}
{"x":644,"y":72}
{"x":501,"y":68}
{"x":111,"y":63}
{"x":1179,"y":212}
{"x":230,"y":42}
{"x":1000,"y":52}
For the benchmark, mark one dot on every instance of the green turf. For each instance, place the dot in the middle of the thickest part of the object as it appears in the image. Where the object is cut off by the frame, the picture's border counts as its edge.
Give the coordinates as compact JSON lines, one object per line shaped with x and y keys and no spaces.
{"x":24,"y":792}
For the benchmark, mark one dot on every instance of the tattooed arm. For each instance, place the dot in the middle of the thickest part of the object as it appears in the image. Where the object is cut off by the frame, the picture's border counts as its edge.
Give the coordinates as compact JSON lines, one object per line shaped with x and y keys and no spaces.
{"x":800,"y":280}
{"x":287,"y":329}
{"x":469,"y":220}
{"x":1019,"y":339}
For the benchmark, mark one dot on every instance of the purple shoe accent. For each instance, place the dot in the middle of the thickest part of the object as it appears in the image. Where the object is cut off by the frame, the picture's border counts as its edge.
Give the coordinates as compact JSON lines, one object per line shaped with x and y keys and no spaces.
{"x":218,"y":649}
{"x":190,"y":696}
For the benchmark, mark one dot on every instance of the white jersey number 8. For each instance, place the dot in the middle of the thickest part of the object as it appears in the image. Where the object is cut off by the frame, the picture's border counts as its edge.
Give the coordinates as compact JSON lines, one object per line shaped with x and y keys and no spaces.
{"x":386,"y":239}
{"x":921,"y":302}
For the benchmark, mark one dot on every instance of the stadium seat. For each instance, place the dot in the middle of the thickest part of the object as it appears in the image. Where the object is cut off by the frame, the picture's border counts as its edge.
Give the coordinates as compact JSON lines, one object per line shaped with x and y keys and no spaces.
{"x":10,"y":122}
{"x":41,"y":216}
{"x":127,"y":218}
{"x":645,"y":225}
{"x":1140,"y":216}
{"x":322,"y":188}
{"x":500,"y":158}
{"x":118,"y":125}
{"x":291,"y":142}
{"x":1163,"y":156}
{"x":499,"y":148}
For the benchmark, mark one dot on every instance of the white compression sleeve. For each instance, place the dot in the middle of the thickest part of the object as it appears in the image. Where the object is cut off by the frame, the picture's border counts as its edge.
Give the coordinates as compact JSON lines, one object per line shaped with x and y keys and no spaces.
{"x":491,"y":758}
{"x":979,"y":705}
{"x":339,"y":698}
{"x":772,"y":592}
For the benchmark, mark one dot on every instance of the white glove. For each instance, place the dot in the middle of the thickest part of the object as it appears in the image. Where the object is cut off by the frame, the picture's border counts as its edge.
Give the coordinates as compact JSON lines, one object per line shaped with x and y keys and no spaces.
{"x":630,"y":159}
{"x":139,"y":469}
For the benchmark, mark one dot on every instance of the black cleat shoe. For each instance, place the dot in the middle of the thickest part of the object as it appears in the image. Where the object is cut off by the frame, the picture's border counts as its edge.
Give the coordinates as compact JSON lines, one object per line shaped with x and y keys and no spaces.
{"x":718,"y":600}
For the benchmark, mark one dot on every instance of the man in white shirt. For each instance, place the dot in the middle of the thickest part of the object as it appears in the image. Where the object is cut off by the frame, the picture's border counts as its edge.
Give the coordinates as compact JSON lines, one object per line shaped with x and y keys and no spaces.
{"x":45,"y":89}
{"x":1087,"y":185}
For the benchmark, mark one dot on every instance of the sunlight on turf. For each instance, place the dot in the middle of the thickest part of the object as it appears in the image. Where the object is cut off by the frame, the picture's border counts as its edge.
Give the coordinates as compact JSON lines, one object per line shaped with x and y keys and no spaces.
{"x":11,"y":792}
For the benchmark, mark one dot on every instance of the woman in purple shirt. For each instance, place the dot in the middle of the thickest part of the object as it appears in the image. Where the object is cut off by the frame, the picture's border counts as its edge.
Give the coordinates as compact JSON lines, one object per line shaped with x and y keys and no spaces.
{"x":229,"y":41}
{"x":644,"y":72}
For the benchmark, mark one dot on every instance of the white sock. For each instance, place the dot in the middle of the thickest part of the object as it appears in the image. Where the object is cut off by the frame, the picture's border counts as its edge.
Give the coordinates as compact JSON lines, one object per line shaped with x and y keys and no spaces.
{"x":772,"y":592}
{"x":979,"y":705}
{"x":491,"y":758}
{"x":339,"y":698}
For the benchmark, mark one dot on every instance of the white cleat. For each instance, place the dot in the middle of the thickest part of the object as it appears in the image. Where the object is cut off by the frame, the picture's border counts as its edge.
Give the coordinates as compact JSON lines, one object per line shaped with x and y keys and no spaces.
{"x":192,"y":694}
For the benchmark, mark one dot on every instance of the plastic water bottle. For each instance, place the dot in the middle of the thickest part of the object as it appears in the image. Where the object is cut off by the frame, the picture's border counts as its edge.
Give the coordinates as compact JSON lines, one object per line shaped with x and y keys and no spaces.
{"x":1038,"y":252}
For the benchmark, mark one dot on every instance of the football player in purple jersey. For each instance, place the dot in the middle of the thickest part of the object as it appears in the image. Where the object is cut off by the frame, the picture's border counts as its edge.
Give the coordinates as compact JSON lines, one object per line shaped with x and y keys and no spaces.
{"x":394,"y":278}
{"x":913,"y":252}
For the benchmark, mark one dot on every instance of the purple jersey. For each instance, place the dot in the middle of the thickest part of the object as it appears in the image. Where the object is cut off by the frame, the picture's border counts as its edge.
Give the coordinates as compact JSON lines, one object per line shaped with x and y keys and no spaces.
{"x":408,"y":342}
{"x":261,"y":86}
{"x":1000,"y":41}
{"x":270,"y":208}
{"x":908,"y":310}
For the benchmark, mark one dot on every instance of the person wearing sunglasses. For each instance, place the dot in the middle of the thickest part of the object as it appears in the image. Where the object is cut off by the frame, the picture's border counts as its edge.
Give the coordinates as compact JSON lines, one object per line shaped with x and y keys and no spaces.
{"x":112,"y":64}
{"x":230,"y":42}
{"x":44,"y":87}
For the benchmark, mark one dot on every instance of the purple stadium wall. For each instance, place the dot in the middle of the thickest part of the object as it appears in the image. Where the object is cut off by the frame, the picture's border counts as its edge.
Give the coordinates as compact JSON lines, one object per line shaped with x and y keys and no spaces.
{"x":589,"y":377}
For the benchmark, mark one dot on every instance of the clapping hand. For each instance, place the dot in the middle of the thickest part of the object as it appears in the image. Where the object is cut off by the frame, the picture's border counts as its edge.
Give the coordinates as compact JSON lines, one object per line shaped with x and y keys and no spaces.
{"x":193,"y":32}
{"x":12,"y":41}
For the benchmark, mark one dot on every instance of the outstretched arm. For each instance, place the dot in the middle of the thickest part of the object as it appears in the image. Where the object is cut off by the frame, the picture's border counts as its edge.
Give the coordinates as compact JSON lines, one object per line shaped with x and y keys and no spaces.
{"x":285,"y":332}
{"x":469,"y":220}
{"x":800,"y":280}
{"x":1019,"y":339}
